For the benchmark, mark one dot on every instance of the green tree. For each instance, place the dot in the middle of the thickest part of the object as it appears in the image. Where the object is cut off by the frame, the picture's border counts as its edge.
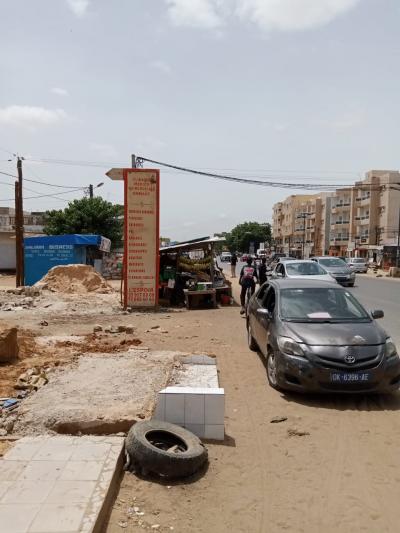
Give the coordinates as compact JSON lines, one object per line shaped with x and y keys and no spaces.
{"x":88,"y":216}
{"x":239,"y":239}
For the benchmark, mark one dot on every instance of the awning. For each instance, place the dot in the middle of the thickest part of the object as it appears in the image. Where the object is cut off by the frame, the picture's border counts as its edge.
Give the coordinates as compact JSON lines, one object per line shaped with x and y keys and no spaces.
{"x":192,"y":245}
{"x":75,"y":239}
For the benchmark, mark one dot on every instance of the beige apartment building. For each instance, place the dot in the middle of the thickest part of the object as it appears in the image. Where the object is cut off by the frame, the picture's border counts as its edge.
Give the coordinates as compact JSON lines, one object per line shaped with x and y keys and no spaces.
{"x":362,"y":220}
{"x":299,"y":224}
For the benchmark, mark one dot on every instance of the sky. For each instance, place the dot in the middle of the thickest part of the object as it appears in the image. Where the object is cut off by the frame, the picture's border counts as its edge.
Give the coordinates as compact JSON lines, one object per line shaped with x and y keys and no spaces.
{"x":302,"y":91}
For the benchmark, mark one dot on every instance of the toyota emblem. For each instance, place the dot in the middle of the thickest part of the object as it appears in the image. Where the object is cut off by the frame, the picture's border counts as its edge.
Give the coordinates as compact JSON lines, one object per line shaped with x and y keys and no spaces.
{"x":349,"y":359}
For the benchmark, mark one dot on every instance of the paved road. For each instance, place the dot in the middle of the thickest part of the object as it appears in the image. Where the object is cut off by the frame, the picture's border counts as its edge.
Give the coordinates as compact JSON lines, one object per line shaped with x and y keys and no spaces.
{"x":381,"y":293}
{"x":373,"y":293}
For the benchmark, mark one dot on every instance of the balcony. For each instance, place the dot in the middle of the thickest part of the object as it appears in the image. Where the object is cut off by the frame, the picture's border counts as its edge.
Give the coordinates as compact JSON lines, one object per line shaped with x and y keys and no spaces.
{"x":342,"y":205}
{"x":364,"y":220}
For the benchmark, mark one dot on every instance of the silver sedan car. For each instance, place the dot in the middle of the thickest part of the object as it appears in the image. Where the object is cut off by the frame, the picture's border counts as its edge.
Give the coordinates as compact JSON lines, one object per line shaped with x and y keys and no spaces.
{"x":301,"y":269}
{"x":358,"y":264}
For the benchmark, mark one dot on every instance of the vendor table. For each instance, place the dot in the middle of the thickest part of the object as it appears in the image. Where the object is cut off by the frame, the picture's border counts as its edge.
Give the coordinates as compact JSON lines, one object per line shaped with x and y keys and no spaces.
{"x":189,"y":294}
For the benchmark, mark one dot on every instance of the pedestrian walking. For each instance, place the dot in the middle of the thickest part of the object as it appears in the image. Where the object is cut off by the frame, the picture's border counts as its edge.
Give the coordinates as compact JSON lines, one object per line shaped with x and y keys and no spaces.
{"x":234,"y":261}
{"x":262,"y":271}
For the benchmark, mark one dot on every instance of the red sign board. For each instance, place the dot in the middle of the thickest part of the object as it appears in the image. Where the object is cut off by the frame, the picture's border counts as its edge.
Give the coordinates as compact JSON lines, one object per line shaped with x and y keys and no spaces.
{"x":141,"y":247}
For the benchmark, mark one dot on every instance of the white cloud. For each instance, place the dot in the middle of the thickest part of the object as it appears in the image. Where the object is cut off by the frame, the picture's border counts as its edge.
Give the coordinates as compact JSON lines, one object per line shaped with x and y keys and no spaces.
{"x":78,"y":7}
{"x":289,"y":15}
{"x":281,"y":15}
{"x":162,"y":66}
{"x":195,"y":13}
{"x":59,"y":92}
{"x":31,"y":117}
{"x":106,"y":150}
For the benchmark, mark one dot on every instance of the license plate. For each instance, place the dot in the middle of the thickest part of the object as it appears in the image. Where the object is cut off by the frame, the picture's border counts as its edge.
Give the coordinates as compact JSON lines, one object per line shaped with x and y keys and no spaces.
{"x":350,"y":377}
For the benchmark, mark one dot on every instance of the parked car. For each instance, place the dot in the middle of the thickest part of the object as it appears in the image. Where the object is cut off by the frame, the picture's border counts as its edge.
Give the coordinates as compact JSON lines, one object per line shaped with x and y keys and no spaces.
{"x":338,"y":269}
{"x":226,"y":257}
{"x":275,"y":257}
{"x":357,"y":264}
{"x":316,"y":336}
{"x":302,"y":269}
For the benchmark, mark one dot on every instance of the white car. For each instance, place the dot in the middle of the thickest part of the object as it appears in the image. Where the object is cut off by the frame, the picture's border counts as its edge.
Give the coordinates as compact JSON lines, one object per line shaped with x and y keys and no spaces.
{"x":301,"y":269}
{"x":357,"y":264}
{"x":226,"y":257}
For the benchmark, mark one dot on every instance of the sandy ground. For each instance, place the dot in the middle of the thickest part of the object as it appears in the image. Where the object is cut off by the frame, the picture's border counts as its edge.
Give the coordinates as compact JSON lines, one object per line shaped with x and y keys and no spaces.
{"x":342,"y":477}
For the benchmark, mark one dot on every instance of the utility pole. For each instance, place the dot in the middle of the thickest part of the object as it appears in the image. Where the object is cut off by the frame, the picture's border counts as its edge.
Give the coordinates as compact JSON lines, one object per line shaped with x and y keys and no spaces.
{"x":90,"y":191}
{"x":19,"y":226}
{"x":133,"y":160}
{"x":303,"y":216}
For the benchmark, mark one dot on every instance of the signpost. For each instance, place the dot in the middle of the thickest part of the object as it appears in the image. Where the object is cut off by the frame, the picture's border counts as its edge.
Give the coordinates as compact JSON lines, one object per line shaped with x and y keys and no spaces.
{"x":141,"y":235}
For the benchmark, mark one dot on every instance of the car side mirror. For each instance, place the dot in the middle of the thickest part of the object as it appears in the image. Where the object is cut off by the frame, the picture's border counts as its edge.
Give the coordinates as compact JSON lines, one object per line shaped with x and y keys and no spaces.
{"x":377,"y":313}
{"x":264,"y":313}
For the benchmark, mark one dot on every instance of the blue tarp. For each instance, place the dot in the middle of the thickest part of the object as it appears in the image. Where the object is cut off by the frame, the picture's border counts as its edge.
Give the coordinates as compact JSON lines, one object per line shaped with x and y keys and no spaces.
{"x":43,"y":253}
{"x":76,"y":239}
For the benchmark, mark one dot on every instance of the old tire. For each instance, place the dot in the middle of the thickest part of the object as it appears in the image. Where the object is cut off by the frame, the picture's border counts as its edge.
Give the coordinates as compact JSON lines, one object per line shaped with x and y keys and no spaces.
{"x":165,"y":449}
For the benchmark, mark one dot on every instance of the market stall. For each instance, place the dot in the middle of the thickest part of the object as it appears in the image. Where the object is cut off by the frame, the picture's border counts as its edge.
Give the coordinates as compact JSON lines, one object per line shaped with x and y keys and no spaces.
{"x":190,"y":276}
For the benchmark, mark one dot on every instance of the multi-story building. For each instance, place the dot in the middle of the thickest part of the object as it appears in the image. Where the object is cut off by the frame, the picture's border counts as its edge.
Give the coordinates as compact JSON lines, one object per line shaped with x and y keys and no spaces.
{"x":285,"y":224}
{"x":299,"y":224}
{"x":33,"y":225}
{"x":362,"y":219}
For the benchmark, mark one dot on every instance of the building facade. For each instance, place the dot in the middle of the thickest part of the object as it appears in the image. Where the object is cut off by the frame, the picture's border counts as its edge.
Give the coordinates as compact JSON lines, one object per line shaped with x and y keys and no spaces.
{"x":33,"y":225}
{"x":362,"y":219}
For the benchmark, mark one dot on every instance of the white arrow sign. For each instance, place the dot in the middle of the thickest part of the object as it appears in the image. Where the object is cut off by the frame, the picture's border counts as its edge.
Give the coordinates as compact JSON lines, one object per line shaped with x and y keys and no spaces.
{"x":116,"y":174}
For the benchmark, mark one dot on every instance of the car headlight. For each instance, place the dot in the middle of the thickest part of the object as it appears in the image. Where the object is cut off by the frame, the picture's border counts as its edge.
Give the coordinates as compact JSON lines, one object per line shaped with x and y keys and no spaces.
{"x":390,"y":348}
{"x":352,"y":274}
{"x":290,"y":347}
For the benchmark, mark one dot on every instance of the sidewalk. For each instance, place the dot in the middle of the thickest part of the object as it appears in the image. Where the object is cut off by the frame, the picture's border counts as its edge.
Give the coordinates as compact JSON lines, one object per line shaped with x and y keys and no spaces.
{"x":381,"y":274}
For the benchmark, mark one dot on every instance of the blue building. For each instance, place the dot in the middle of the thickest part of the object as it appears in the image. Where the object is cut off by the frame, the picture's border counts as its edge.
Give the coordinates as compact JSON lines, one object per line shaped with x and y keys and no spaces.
{"x":43,"y":253}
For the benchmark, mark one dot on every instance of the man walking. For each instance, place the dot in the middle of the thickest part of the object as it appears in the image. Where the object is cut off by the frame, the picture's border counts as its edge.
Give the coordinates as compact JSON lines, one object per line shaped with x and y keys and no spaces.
{"x":262,"y":271}
{"x":234,"y":261}
{"x":246,"y":280}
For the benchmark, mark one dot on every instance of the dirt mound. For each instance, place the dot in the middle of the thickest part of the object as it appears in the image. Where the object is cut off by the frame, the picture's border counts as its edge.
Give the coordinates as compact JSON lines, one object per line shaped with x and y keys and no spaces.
{"x":75,"y":279}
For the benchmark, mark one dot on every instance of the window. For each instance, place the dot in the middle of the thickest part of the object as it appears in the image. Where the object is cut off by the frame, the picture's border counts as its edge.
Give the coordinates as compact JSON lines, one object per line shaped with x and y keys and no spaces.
{"x":262,"y":291}
{"x":269,"y":300}
{"x":321,"y":304}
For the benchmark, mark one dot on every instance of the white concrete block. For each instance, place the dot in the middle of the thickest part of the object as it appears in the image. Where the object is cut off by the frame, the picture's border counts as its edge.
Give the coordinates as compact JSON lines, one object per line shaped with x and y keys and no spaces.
{"x":16,"y":518}
{"x":214,"y":431}
{"x":194,"y":409}
{"x":175,"y":408}
{"x":197,"y":429}
{"x":159,"y":412}
{"x":27,"y":491}
{"x":214,"y":409}
{"x":58,"y":518}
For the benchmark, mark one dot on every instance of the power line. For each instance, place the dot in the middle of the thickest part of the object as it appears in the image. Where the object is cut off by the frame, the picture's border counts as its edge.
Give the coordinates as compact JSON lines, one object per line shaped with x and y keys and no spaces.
{"x":277,"y":184}
{"x":43,"y":182}
{"x":41,"y":196}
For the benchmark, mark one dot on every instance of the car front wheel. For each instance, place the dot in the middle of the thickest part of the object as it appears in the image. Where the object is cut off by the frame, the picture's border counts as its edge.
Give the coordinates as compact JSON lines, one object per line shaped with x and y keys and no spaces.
{"x":250,"y":339}
{"x":272,"y":374}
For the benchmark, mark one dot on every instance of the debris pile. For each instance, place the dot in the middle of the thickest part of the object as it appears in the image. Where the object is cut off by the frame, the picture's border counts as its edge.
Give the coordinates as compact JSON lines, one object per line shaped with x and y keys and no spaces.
{"x":32,"y":379}
{"x":74,"y":279}
{"x":9,"y":347}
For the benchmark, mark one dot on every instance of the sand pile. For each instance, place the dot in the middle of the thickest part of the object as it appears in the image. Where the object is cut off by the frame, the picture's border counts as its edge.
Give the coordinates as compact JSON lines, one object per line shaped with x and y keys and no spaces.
{"x":75,"y":279}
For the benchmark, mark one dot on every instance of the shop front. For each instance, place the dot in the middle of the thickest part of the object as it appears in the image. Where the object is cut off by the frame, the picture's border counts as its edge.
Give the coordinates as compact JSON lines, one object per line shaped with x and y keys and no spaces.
{"x":190,"y":275}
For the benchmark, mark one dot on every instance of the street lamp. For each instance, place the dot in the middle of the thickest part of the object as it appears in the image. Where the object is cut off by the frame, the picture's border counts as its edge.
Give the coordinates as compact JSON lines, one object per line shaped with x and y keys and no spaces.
{"x":90,"y":188}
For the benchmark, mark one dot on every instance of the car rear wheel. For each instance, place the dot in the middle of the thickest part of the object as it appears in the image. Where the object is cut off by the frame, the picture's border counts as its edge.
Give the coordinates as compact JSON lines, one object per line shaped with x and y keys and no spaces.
{"x":250,"y":339}
{"x":271,"y":370}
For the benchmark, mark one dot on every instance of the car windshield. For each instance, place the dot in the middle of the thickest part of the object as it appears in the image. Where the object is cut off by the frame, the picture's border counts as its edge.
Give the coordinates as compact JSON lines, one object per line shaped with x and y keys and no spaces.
{"x":321,"y":304}
{"x":304,"y":269}
{"x":332,"y":262}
